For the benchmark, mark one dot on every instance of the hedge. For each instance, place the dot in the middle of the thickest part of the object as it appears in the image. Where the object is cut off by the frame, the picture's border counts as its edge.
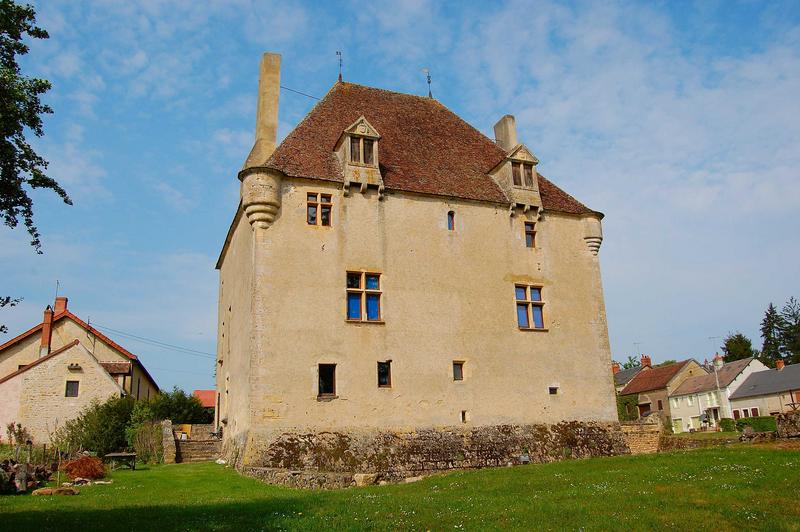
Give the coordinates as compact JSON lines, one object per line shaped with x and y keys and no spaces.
{"x":759,"y":424}
{"x":727,"y":424}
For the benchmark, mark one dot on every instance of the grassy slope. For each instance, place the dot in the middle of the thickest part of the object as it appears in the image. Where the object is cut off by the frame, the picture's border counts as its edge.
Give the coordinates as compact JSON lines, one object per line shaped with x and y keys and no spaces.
{"x":721,"y":488}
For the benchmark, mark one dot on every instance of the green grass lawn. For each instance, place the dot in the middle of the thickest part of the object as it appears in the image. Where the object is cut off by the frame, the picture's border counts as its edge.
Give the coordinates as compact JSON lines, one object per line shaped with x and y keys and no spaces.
{"x":726,"y":488}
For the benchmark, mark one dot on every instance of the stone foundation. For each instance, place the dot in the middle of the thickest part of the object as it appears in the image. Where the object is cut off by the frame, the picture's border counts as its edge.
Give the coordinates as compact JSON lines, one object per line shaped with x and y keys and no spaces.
{"x":336,"y":458}
{"x":642,"y":437}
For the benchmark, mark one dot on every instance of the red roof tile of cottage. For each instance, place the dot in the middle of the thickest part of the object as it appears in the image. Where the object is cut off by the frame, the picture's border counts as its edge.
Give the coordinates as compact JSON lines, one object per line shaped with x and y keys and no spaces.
{"x":207,"y":397}
{"x":653,"y":379}
{"x":424,"y":147}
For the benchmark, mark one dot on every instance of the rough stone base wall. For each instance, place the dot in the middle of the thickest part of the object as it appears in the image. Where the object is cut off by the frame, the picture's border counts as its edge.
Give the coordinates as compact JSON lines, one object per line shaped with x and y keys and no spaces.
{"x":788,"y":424}
{"x":677,"y":443}
{"x":289,"y":457}
{"x":168,"y":442}
{"x":642,"y":438}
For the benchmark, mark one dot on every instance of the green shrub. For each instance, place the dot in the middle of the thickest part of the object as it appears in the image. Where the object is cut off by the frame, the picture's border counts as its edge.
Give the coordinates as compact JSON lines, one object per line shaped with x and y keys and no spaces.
{"x":759,"y":424}
{"x":727,"y":424}
{"x":144,"y":433}
{"x":100,"y":428}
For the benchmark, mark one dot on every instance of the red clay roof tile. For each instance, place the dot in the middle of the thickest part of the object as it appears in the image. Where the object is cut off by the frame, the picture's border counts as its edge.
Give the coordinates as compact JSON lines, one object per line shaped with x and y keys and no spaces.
{"x":424,"y":147}
{"x":653,"y":379}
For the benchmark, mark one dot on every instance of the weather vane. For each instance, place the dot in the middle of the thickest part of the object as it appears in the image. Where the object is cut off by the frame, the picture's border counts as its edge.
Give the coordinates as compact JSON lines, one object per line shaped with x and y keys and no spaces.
{"x":339,"y":55}
{"x":427,"y":73}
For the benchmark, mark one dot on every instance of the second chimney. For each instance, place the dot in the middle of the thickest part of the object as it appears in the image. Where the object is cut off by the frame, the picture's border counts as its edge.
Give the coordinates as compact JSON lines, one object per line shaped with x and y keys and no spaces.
{"x":505,"y":133}
{"x":47,"y":332}
{"x":779,"y":364}
{"x":646,"y":363}
{"x":269,"y":87}
{"x":61,"y":305}
{"x":615,"y":368}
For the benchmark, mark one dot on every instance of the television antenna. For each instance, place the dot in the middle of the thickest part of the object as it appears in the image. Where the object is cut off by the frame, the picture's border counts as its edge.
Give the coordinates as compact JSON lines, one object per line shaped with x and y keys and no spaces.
{"x":427,"y":73}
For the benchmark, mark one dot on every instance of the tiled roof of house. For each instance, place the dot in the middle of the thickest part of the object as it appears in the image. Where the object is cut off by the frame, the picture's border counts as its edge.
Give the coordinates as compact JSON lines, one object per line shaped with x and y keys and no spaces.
{"x":653,"y":379}
{"x":117,"y":368}
{"x":424,"y":147}
{"x":38,"y":361}
{"x":623,"y":376}
{"x":88,"y":328}
{"x":207,"y":398}
{"x":706,"y":383}
{"x":769,"y":382}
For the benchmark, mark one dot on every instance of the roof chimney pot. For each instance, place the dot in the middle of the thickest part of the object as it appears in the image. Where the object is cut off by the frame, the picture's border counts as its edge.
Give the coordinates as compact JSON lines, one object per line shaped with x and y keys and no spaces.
{"x":779,"y":364}
{"x":60,"y":305}
{"x":615,"y":367}
{"x":646,"y":362}
{"x":505,"y":133}
{"x":47,"y":332}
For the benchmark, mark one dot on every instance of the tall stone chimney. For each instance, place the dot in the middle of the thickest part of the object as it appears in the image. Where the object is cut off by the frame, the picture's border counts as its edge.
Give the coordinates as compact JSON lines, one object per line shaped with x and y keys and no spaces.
{"x":505,"y":133}
{"x":269,"y":87}
{"x":261,"y":186}
{"x":47,"y":332}
{"x":60,"y":305}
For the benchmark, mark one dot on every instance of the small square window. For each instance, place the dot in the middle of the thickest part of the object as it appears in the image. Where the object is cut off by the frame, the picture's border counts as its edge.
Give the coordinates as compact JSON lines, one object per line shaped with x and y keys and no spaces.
{"x":458,"y":371}
{"x":552,"y":390}
{"x":72,"y":389}
{"x":327,"y":380}
{"x":385,"y":374}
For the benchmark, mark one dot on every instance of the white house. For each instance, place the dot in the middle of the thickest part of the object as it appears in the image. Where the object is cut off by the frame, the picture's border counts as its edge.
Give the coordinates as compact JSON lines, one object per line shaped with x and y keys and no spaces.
{"x":768,"y":392}
{"x":703,"y":400}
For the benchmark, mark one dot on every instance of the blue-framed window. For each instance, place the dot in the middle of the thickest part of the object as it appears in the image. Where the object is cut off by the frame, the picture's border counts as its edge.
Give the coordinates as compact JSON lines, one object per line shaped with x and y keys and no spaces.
{"x":530,"y":306}
{"x":364,"y":296}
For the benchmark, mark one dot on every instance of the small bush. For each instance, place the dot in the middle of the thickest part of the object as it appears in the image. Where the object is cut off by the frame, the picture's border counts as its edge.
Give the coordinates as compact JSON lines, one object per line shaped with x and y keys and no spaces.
{"x":148,"y":442}
{"x":100,"y":428}
{"x":759,"y":424}
{"x":727,"y":424}
{"x":89,"y":467}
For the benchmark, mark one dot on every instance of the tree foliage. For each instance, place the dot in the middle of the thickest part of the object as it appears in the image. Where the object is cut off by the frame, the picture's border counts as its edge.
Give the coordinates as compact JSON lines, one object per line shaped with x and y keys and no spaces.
{"x":737,"y":346}
{"x":179,"y":407}
{"x":6,"y":301}
{"x":771,"y":335}
{"x":790,"y":331}
{"x":21,"y":111}
{"x":632,"y":362}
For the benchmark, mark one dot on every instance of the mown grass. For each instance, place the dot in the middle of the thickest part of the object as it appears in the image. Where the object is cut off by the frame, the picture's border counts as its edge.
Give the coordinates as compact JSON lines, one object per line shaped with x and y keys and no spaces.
{"x":728,"y":488}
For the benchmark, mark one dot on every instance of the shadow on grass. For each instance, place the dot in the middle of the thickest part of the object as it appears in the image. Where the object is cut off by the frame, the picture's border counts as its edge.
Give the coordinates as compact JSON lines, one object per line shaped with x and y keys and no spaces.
{"x":258,"y":515}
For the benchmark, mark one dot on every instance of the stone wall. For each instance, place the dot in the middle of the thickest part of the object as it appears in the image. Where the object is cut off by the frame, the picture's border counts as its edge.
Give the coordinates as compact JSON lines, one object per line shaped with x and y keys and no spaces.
{"x":642,"y":438}
{"x":678,"y":443}
{"x":788,"y":424}
{"x":291,"y":457}
{"x":168,"y":440}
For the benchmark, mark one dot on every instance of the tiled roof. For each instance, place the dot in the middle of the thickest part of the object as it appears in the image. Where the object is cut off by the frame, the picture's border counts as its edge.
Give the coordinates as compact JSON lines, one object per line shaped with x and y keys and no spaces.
{"x":653,"y":379}
{"x":38,"y":361}
{"x":624,"y":375}
{"x":770,"y":382}
{"x":117,"y":368}
{"x":707,"y":382}
{"x":424,"y":147}
{"x":208,"y":398}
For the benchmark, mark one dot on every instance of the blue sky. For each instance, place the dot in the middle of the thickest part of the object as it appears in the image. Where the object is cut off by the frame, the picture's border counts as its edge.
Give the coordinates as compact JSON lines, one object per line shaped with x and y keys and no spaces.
{"x":677,"y":120}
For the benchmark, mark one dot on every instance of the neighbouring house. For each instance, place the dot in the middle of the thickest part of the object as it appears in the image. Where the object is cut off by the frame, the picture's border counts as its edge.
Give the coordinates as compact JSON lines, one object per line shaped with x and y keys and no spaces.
{"x":49,"y":373}
{"x":653,"y":385}
{"x":701,"y":401}
{"x":208,"y":398}
{"x":400,"y":293}
{"x":623,"y":376}
{"x":768,"y":392}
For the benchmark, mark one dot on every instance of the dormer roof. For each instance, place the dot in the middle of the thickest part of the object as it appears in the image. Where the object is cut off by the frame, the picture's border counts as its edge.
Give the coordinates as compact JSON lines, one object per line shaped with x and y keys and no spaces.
{"x":424,"y":147}
{"x":363,"y":128}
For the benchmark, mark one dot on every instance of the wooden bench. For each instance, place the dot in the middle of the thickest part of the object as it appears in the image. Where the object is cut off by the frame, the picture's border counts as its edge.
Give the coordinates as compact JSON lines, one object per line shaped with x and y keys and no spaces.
{"x":128,"y":459}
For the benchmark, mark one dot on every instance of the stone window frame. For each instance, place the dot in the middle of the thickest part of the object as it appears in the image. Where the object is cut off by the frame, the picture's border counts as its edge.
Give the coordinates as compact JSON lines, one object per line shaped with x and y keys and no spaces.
{"x":529,"y":304}
{"x":77,"y":388}
{"x":522,"y":174}
{"x":458,"y":364}
{"x":388,"y":364}
{"x":320,"y":204}
{"x":530,"y":234}
{"x":365,"y":293}
{"x":361,"y":141}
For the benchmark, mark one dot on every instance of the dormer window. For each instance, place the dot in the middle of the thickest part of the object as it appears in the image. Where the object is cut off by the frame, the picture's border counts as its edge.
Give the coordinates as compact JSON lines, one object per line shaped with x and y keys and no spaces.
{"x":362,"y":151}
{"x":520,"y":171}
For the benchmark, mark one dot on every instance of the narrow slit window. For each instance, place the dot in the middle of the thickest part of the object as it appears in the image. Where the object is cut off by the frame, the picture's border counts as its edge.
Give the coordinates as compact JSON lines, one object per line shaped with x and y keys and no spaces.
{"x":530,"y":234}
{"x":516,"y":174}
{"x":528,"y":175}
{"x":355,"y":150}
{"x":464,"y":416}
{"x":327,"y":380}
{"x":385,"y":374}
{"x":369,"y":144}
{"x":458,"y":371}
{"x":451,"y":220}
{"x":364,"y":296}
{"x":530,"y":307}
{"x":72,"y":389}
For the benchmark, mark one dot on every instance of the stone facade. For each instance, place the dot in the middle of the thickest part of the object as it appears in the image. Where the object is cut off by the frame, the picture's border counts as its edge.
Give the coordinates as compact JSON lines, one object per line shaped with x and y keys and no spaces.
{"x":448,"y":270}
{"x":642,"y":437}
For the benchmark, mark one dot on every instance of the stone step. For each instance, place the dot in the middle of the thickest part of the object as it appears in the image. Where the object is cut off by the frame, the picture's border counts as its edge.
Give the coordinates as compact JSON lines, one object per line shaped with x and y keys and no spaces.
{"x":197,"y":450}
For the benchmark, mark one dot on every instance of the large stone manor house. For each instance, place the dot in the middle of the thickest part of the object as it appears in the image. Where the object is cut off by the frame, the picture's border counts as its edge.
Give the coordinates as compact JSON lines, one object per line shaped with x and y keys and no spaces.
{"x":399,"y":293}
